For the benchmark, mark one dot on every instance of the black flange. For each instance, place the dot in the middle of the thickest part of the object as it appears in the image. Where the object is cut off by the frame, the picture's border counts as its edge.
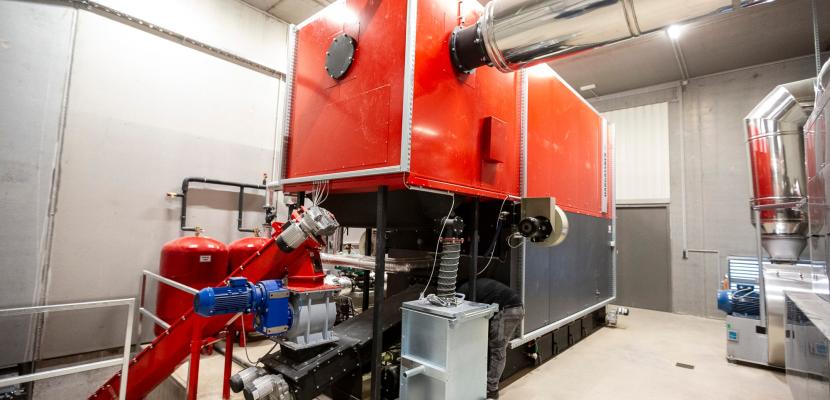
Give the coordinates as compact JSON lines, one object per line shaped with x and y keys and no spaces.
{"x":467,"y":50}
{"x":340,"y":55}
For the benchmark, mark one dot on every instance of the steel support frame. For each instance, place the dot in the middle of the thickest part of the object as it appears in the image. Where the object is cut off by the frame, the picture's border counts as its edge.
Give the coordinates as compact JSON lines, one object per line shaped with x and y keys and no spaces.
{"x":366,"y":278}
{"x":756,"y":214}
{"x":473,"y":270}
{"x":380,"y":271}
{"x":759,"y":253}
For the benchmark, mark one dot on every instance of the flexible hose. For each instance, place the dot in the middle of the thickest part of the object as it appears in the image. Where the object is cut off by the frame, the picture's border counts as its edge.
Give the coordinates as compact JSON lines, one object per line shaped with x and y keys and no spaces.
{"x":448,"y":268}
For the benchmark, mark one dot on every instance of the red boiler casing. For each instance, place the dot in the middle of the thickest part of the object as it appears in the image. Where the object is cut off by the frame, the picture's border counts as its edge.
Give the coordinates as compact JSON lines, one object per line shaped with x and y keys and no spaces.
{"x":401,"y":115}
{"x":195,"y":261}
{"x":569,"y":148}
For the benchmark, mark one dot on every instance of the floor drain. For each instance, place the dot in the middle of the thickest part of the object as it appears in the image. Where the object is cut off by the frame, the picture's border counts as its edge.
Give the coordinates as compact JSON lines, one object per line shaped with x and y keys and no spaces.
{"x":687,"y":366}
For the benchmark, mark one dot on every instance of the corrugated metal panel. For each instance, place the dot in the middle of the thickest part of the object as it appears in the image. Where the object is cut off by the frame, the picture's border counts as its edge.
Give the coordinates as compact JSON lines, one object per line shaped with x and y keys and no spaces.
{"x":642,"y":153}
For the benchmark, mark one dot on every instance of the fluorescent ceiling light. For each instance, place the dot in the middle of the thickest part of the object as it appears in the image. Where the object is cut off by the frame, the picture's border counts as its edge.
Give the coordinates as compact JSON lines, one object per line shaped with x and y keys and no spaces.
{"x":674,"y":32}
{"x":587,"y":87}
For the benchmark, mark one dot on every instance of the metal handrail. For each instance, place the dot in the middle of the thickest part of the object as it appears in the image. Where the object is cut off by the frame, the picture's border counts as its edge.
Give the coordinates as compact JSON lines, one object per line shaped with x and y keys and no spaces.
{"x":170,"y":282}
{"x":167,"y":281}
{"x":156,"y":319}
{"x":124,"y":360}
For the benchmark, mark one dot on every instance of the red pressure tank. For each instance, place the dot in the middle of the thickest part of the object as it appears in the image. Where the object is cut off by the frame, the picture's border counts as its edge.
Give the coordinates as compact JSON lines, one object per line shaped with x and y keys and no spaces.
{"x":196,"y":261}
{"x":238,"y":252}
{"x":241,"y":250}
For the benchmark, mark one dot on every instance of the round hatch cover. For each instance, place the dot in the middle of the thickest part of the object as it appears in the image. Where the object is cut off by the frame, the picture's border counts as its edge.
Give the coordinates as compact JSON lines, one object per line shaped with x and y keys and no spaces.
{"x":340,"y":55}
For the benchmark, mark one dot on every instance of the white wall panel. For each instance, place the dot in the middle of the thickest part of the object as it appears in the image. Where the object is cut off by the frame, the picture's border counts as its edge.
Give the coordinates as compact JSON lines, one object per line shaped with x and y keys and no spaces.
{"x":140,"y":119}
{"x":227,"y":24}
{"x":642,"y":153}
{"x":142,"y":112}
{"x":35,"y":48}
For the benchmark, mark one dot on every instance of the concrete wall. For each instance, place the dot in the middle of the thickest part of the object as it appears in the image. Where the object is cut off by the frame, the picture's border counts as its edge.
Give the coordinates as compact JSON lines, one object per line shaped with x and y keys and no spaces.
{"x":709,"y":169}
{"x":136,"y":113}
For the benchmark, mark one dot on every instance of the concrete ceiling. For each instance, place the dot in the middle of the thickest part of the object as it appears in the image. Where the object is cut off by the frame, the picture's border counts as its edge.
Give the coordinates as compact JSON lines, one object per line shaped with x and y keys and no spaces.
{"x":761,"y":34}
{"x":769,"y":32}
{"x":293,"y":11}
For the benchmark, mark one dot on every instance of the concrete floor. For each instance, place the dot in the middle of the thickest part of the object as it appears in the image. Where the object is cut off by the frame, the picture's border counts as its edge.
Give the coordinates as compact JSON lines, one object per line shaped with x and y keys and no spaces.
{"x":637,"y":361}
{"x":633,"y":361}
{"x":211,"y":368}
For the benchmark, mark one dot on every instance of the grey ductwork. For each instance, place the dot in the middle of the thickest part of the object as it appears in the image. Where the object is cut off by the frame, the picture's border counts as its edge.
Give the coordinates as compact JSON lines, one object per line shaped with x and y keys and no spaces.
{"x":775,"y":137}
{"x":823,"y":79}
{"x":512,"y":34}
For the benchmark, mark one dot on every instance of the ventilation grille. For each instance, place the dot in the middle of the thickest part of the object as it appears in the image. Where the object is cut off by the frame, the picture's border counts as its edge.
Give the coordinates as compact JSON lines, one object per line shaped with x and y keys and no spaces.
{"x":744,"y":270}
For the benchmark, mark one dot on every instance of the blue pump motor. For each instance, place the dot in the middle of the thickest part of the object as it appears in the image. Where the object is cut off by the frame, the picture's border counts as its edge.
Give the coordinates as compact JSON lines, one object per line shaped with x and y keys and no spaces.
{"x":268,"y":301}
{"x":743,"y":301}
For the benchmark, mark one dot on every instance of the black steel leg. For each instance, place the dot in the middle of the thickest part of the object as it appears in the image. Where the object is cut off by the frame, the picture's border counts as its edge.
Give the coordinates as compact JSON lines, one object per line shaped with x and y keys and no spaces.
{"x":300,"y":202}
{"x":380,"y":270}
{"x":300,"y":199}
{"x":474,"y":253}
{"x":366,"y":280}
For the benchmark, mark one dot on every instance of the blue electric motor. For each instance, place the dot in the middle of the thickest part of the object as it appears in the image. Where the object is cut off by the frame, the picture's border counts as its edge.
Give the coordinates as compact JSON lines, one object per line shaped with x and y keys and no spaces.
{"x":743,"y":301}
{"x":268,"y":301}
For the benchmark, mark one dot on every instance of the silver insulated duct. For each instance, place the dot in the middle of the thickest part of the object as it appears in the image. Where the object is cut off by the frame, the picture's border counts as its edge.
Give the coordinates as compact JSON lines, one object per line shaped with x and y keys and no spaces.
{"x":512,"y":34}
{"x":775,"y":137}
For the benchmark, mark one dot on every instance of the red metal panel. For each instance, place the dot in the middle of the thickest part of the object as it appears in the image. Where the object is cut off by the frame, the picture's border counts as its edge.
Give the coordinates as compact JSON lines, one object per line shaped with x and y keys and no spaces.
{"x":354,"y":185}
{"x":354,"y":123}
{"x":419,"y":182}
{"x":449,"y":145}
{"x":564,"y":145}
{"x":493,"y":130}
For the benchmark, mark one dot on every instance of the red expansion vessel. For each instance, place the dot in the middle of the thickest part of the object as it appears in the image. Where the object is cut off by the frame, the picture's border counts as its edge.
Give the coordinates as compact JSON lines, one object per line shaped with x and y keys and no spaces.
{"x":242,"y":249}
{"x":238,"y":252}
{"x":195,"y":261}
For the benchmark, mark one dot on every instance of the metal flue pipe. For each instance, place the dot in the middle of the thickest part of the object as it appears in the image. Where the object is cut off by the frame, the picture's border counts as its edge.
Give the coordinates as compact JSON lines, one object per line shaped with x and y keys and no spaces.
{"x":513,"y":34}
{"x":775,"y":139}
{"x":368,"y":262}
